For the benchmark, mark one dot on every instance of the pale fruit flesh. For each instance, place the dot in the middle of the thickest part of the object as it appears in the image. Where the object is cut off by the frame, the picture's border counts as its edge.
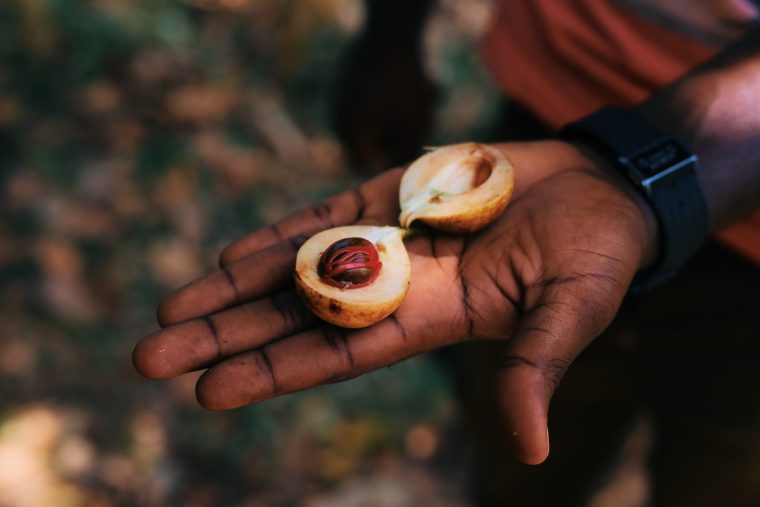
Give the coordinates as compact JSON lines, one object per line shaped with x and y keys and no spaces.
{"x":459,"y":188}
{"x":355,"y":307}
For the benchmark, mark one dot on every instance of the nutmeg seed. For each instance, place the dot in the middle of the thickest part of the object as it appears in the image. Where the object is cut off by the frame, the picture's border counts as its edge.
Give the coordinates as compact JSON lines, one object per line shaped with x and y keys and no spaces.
{"x":349,"y":263}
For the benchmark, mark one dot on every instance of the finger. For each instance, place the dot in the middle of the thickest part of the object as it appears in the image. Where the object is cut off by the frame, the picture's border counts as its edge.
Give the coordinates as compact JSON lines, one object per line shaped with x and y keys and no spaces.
{"x":197,"y":343}
{"x":342,"y":209}
{"x":567,"y":317}
{"x":373,"y":202}
{"x":263,"y":273}
{"x":318,"y":356}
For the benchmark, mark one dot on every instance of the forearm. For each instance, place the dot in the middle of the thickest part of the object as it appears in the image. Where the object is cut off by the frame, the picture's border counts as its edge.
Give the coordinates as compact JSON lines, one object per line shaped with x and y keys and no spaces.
{"x":716,"y":110}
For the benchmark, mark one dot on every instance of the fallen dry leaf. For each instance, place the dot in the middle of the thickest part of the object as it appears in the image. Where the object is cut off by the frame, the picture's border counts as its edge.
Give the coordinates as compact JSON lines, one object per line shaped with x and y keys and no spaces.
{"x":200,"y":104}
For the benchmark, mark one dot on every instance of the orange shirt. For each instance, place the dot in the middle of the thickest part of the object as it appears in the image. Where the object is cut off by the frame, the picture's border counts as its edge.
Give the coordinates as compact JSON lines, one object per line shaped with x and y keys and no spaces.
{"x":565,"y":59}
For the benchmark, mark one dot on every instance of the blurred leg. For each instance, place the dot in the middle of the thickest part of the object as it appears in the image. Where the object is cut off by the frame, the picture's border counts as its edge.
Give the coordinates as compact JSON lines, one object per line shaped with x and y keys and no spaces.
{"x":699,"y":370}
{"x":384,"y":102}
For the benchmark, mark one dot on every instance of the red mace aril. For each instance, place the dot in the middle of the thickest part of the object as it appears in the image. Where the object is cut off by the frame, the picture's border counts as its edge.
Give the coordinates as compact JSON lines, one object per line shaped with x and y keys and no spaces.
{"x":349,"y":263}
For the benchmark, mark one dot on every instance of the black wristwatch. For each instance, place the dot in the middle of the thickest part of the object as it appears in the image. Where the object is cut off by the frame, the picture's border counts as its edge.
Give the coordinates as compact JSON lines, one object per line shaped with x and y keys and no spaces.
{"x":663,"y":170}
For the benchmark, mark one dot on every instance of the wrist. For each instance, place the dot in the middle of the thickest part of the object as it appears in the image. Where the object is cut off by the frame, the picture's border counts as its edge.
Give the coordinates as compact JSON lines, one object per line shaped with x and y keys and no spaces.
{"x":662,"y":170}
{"x":644,"y":225}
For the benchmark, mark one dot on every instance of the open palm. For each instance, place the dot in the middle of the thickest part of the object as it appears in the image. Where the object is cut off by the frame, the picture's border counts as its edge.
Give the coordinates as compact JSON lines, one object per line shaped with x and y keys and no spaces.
{"x":547,"y":276}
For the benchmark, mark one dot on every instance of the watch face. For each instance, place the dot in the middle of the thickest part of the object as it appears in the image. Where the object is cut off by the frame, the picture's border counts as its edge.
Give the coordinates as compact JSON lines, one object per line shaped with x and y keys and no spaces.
{"x":659,"y":158}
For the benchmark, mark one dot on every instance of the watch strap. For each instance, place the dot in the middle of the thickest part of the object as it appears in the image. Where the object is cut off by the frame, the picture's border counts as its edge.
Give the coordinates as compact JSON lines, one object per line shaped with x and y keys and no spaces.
{"x":682,"y":216}
{"x":659,"y":167}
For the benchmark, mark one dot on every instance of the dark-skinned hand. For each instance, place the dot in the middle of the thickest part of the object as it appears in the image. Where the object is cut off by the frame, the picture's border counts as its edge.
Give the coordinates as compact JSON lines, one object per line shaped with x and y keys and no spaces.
{"x":546,"y":277}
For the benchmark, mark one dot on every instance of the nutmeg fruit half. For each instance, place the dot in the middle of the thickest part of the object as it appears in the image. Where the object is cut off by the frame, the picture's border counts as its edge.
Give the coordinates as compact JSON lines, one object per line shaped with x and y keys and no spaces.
{"x":458,"y":188}
{"x":353,"y":276}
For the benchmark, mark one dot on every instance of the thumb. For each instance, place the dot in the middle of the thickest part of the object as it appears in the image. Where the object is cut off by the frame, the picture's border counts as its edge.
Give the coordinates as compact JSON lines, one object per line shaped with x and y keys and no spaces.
{"x":547,"y":339}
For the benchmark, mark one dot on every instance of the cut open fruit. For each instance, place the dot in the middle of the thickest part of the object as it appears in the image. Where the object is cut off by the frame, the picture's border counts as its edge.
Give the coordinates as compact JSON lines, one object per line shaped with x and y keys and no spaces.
{"x":364,"y":305}
{"x":354,"y":276}
{"x":458,"y":188}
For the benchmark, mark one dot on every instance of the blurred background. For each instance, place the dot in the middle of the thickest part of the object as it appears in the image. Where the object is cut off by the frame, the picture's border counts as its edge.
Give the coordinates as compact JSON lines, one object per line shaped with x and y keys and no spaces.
{"x":137,"y":138}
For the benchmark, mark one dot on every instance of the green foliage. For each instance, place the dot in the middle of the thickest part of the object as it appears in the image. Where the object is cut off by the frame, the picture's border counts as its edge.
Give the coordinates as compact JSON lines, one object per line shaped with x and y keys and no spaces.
{"x":130,"y":152}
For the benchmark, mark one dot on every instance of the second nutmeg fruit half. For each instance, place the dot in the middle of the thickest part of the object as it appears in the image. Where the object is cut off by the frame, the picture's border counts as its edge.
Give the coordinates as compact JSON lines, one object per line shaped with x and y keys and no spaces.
{"x":459,"y":188}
